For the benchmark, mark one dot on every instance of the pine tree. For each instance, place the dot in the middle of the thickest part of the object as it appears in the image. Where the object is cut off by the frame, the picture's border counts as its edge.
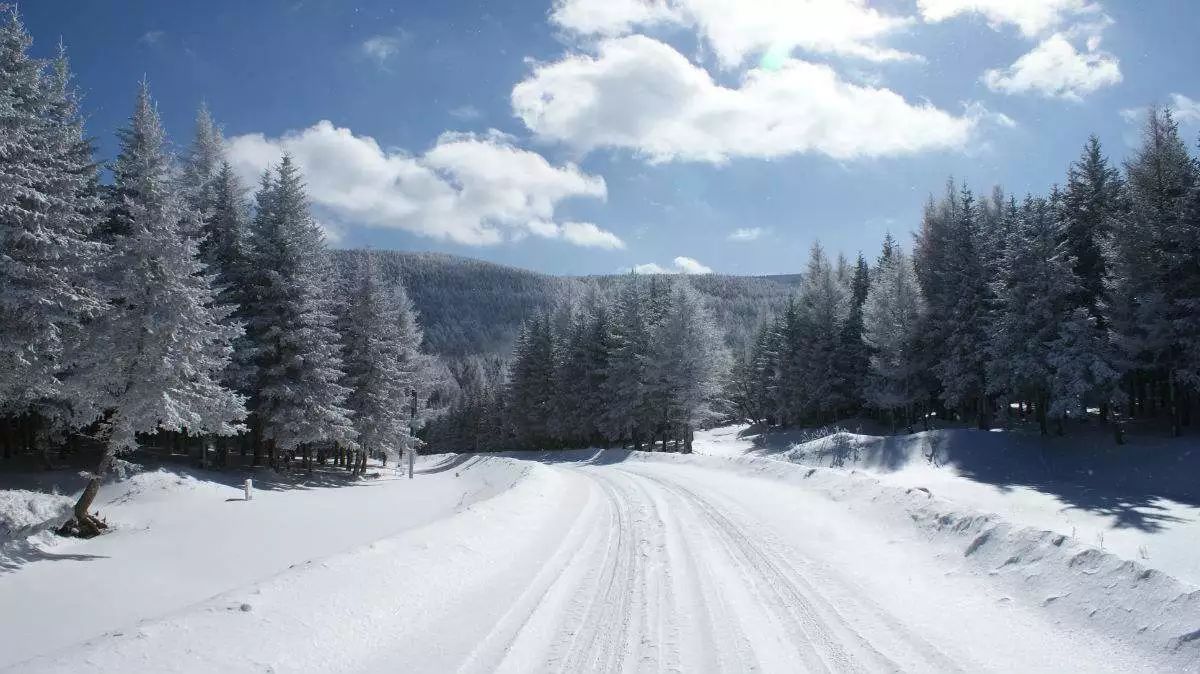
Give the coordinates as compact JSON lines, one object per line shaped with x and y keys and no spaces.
{"x":822,"y":306}
{"x":853,"y":357}
{"x":964,"y":303}
{"x":626,"y":401}
{"x":1092,"y":201}
{"x":202,"y":168}
{"x":297,"y":396}
{"x":1149,"y":265}
{"x":532,"y":387}
{"x":379,"y":366}
{"x":47,"y":203}
{"x":892,"y":315}
{"x":162,"y":343}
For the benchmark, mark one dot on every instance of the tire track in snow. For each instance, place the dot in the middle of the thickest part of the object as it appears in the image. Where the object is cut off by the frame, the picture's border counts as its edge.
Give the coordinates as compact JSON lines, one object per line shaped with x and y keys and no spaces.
{"x":655,"y":577}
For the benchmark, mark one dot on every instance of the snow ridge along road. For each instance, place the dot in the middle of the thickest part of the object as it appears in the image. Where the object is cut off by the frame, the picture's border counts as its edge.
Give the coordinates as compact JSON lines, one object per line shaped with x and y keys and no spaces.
{"x":627,"y":563}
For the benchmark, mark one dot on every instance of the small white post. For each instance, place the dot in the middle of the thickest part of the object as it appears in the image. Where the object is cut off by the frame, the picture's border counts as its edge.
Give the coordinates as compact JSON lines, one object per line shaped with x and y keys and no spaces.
{"x":249,"y":489}
{"x":411,"y":452}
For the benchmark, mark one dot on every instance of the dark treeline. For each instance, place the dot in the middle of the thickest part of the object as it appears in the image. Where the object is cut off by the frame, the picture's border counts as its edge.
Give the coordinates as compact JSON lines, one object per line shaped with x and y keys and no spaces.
{"x":635,"y":363}
{"x":163,"y":310}
{"x":473,"y":308}
{"x":1083,"y":301}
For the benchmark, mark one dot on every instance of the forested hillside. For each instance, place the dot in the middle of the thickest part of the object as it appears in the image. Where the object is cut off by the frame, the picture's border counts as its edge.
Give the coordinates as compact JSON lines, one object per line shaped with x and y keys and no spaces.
{"x":472,"y":307}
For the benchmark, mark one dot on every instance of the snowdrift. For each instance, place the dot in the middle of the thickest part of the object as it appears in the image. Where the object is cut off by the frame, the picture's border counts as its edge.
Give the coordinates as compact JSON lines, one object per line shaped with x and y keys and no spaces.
{"x":27,"y":519}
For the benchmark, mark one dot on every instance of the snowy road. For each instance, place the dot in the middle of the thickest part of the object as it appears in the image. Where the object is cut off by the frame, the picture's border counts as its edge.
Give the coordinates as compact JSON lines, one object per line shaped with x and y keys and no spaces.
{"x":686,"y":568}
{"x":636,"y":563}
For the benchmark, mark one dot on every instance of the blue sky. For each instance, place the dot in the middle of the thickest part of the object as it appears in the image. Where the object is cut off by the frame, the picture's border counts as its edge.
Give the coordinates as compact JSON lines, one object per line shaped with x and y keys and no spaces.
{"x":590,"y":136}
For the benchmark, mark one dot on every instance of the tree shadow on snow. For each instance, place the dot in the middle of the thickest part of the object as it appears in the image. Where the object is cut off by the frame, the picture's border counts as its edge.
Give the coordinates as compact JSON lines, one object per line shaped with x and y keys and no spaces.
{"x":17,"y":554}
{"x":1084,"y":469}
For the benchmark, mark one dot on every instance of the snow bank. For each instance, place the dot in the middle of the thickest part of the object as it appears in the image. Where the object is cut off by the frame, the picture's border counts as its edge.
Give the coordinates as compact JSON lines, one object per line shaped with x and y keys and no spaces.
{"x":26,"y":519}
{"x":1081,"y":585}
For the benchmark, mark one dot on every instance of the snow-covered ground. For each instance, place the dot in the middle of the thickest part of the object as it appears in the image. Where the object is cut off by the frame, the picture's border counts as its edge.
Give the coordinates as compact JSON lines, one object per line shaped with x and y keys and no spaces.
{"x":588,"y":561}
{"x":178,"y":540}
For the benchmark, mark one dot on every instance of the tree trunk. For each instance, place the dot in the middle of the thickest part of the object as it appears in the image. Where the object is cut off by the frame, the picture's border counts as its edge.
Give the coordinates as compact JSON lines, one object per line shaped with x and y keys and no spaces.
{"x":85,"y":524}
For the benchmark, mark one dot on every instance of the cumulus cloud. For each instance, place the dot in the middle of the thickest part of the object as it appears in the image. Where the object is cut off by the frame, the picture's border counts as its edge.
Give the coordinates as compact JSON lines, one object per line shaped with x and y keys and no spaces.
{"x":746,"y":234}
{"x":474,"y":189}
{"x":737,"y":29}
{"x":641,"y":94}
{"x":1054,"y":68}
{"x":682,"y":265}
{"x":1031,"y":17}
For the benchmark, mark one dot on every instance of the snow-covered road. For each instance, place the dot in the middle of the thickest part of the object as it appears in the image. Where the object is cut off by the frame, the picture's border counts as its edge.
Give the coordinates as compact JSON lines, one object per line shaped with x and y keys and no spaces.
{"x":619,"y":562}
{"x":687,"y":568}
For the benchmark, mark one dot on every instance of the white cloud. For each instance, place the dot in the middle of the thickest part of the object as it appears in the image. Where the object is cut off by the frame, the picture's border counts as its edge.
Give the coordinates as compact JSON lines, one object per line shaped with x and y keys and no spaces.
{"x":651,"y":268}
{"x":381,"y":47}
{"x":1055,"y":68}
{"x":641,"y":94}
{"x":1031,"y":17}
{"x":690,"y":266}
{"x":683,"y":265}
{"x":746,"y":234}
{"x":1185,"y":109}
{"x":469,"y":188}
{"x":736,"y":29}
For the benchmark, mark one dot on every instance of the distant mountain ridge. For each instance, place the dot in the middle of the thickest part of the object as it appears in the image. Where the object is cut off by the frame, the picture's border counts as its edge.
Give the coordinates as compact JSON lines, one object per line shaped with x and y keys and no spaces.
{"x":471,"y":307}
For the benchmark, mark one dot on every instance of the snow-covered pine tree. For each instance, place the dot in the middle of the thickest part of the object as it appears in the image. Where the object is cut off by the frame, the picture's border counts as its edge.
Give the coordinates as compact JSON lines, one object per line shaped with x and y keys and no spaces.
{"x":853,"y":356}
{"x":791,"y":384}
{"x":297,"y":398}
{"x":378,"y":364}
{"x":416,"y":366}
{"x":687,"y":363}
{"x":1149,"y":266}
{"x":892,"y":317}
{"x":532,"y":383}
{"x":823,"y":305}
{"x":624,"y":392}
{"x":1091,"y":202}
{"x":1035,"y":292}
{"x":961,"y":366}
{"x":47,"y":208}
{"x":580,"y":370}
{"x":162,"y":344}
{"x":201,"y":168}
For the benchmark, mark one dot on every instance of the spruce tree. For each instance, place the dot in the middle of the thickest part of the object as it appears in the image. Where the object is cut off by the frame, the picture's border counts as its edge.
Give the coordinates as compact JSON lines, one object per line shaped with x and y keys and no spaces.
{"x":1150,"y":267}
{"x":47,"y":208}
{"x":162,"y":343}
{"x":822,"y":306}
{"x":297,"y":398}
{"x":892,"y":315}
{"x":378,"y":363}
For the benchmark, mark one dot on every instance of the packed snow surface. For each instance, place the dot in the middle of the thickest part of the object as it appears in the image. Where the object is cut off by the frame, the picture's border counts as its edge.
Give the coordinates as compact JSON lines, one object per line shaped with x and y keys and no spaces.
{"x":586,"y":561}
